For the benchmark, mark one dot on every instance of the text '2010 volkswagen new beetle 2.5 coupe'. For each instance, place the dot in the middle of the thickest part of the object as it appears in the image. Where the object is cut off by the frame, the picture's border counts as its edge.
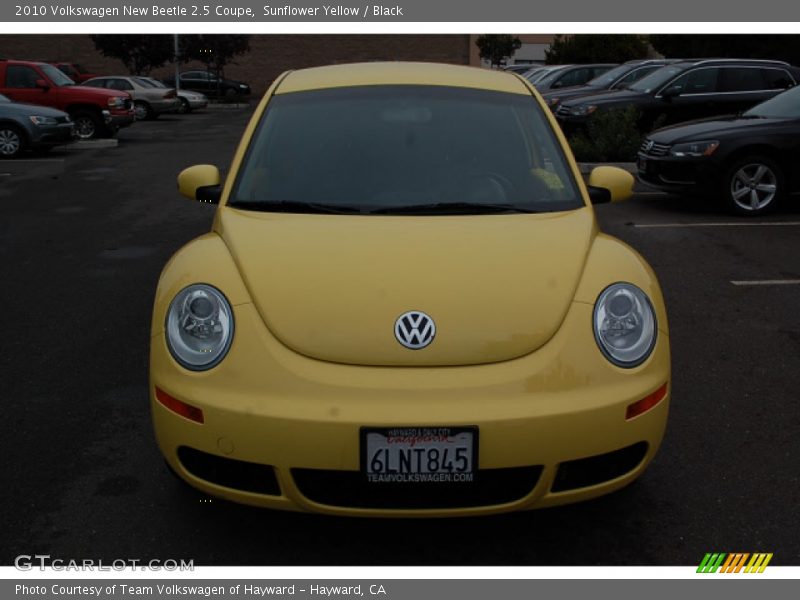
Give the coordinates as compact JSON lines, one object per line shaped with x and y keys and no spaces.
{"x":405,"y":307}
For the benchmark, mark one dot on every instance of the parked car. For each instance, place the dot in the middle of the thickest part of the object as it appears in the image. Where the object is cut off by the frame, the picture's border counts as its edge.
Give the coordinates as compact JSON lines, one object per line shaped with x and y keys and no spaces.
{"x":148,"y":101}
{"x":570,"y":75}
{"x":29,"y":127}
{"x":189,"y":100}
{"x":687,"y":90}
{"x":96,"y":112}
{"x":617,"y":78}
{"x":751,"y":160}
{"x":207,"y":83}
{"x":521,"y":68}
{"x":537,"y":73}
{"x":395,"y":320}
{"x":74,"y":71}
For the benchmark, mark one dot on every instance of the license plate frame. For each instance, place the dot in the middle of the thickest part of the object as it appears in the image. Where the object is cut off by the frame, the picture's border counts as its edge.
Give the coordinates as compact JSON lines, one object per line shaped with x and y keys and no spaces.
{"x":426,"y":438}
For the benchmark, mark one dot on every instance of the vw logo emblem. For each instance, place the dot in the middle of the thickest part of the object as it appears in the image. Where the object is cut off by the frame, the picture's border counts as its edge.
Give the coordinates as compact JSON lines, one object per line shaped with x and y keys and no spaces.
{"x":414,"y":329}
{"x":648,"y":145}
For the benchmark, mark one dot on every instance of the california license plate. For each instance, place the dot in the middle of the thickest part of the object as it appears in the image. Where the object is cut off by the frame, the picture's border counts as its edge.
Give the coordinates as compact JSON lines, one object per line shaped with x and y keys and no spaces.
{"x":419,"y":454}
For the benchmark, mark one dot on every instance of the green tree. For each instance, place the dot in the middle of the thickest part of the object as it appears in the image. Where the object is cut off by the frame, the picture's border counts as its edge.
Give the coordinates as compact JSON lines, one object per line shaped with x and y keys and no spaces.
{"x":138,"y":52}
{"x":769,"y":46}
{"x":214,"y":51}
{"x":496,"y":48}
{"x":593,"y":48}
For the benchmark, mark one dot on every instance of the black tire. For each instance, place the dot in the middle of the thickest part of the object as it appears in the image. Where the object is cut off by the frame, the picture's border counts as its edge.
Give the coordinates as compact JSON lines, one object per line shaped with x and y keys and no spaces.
{"x":12,"y":141}
{"x":142,"y":110}
{"x":753,"y":185}
{"x":184,"y":108}
{"x":88,"y":125}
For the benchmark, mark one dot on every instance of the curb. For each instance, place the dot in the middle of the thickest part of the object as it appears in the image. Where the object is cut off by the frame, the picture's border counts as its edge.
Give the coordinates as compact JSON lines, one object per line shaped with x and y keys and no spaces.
{"x":221,"y":106}
{"x":586,"y":168}
{"x":92,"y":144}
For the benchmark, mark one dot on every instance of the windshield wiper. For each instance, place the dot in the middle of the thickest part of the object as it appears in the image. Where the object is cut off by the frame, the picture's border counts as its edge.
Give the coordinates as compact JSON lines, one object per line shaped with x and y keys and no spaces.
{"x":456,"y":208}
{"x":293,"y":206}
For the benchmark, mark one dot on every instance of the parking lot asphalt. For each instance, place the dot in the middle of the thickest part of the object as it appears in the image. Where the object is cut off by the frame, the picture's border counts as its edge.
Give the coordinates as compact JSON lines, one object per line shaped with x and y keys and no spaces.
{"x":83,"y":238}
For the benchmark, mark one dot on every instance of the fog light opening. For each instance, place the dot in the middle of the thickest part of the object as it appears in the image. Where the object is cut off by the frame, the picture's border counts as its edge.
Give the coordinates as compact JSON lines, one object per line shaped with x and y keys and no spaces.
{"x":646,"y":403}
{"x":185,"y":410}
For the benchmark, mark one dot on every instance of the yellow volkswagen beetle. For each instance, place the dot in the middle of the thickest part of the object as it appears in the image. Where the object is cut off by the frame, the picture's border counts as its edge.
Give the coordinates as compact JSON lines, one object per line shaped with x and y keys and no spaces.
{"x":405,"y":307}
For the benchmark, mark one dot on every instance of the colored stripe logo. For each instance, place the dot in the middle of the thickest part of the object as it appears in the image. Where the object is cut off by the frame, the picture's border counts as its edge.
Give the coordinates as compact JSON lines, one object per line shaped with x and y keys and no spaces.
{"x":736,"y":562}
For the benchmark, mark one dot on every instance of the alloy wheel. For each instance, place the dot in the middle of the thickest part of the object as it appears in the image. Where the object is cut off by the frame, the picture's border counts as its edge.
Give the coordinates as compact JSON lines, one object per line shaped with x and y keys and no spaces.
{"x":754,"y":186}
{"x":10,"y":142}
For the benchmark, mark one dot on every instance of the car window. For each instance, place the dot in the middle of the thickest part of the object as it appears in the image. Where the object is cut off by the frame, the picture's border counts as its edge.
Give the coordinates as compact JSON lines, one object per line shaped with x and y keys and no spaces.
{"x":634,"y":76}
{"x":119,"y":84}
{"x":21,"y":77}
{"x":56,"y":77}
{"x":596,"y":71}
{"x":698,"y":81}
{"x":195,"y":76}
{"x":741,"y":79}
{"x":777,"y":79}
{"x":101,"y":83}
{"x":68,"y":71}
{"x":386,"y":147}
{"x":4,"y":98}
{"x":573,"y":77}
{"x":656,"y":79}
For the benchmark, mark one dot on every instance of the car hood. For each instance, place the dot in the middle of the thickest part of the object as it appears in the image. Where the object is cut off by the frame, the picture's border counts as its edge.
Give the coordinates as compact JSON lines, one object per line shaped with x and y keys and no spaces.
{"x":731,"y":125}
{"x":332,"y":286}
{"x":21,"y":109}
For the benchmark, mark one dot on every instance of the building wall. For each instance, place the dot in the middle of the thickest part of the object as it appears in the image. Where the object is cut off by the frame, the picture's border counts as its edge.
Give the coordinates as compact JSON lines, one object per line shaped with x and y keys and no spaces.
{"x":532,"y":49}
{"x":269,"y":55}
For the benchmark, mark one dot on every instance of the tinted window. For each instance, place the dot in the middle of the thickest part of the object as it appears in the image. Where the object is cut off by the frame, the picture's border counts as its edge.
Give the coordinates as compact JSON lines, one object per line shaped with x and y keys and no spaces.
{"x":656,"y":79}
{"x":698,"y":81}
{"x":119,"y":84}
{"x":21,"y":77}
{"x":373,"y":148}
{"x":195,"y":76}
{"x":101,"y":83}
{"x":742,"y":79}
{"x":56,"y":76}
{"x":634,"y":76}
{"x":573,"y":77}
{"x":777,"y":79}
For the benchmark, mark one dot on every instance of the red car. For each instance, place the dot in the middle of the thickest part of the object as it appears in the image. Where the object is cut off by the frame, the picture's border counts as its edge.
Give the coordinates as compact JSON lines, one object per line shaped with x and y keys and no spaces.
{"x":74,"y":71}
{"x":96,"y":112}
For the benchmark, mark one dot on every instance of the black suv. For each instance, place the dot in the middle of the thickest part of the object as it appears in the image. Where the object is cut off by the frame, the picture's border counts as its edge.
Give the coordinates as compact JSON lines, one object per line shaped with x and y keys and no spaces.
{"x":209,"y":84}
{"x":617,"y":78}
{"x":687,"y":90}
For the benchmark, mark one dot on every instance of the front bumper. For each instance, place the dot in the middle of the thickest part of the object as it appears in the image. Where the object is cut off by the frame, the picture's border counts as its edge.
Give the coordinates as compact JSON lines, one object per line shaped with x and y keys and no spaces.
{"x":297,"y":421}
{"x":673,"y":174}
{"x":53,"y":135}
{"x":118,"y":119}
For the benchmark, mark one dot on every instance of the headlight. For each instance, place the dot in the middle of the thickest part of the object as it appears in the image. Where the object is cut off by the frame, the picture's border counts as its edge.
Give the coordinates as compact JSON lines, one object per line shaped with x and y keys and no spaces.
{"x":199,"y":327}
{"x":243,"y":86}
{"x":625,"y":325}
{"x":582,"y":110}
{"x":116,"y":102}
{"x":704,"y":148}
{"x":37,"y":120}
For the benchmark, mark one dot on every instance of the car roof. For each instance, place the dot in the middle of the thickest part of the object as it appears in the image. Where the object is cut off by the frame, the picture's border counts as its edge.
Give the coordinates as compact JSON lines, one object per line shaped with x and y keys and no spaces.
{"x":400,"y":73}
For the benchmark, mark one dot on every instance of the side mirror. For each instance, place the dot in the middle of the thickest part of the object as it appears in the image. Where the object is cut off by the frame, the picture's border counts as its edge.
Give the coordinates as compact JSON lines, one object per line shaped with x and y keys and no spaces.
{"x":200,"y":182}
{"x":42,"y":84}
{"x":672,"y":91}
{"x":609,"y":184}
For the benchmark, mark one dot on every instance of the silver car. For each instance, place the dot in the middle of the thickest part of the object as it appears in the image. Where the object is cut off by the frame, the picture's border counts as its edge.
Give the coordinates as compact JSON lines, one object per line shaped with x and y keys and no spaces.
{"x":189,"y":100}
{"x":148,"y":101}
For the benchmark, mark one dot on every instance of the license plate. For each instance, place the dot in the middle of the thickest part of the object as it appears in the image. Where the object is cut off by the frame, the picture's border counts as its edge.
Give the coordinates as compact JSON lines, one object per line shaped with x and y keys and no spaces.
{"x":419,"y":454}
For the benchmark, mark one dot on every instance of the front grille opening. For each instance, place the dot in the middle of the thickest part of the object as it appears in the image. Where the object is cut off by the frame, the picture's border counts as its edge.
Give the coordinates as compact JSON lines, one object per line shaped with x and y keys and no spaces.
{"x":230,"y":473}
{"x":350,"y":489}
{"x":592,"y":470}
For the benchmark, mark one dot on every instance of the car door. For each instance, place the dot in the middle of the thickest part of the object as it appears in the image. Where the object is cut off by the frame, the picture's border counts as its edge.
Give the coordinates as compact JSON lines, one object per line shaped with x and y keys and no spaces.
{"x":692,"y":95}
{"x":21,"y":85}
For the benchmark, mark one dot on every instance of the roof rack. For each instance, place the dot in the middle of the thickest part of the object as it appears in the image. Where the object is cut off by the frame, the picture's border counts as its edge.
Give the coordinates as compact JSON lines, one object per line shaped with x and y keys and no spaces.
{"x":704,"y":61}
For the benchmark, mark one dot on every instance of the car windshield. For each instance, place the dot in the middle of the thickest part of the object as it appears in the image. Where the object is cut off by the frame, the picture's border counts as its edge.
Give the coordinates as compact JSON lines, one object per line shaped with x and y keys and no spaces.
{"x":782,"y":106}
{"x":144,"y":82}
{"x":656,"y":79}
{"x":404,"y":149}
{"x":609,"y":77}
{"x":550,"y":76}
{"x":4,"y":99}
{"x":56,"y":76}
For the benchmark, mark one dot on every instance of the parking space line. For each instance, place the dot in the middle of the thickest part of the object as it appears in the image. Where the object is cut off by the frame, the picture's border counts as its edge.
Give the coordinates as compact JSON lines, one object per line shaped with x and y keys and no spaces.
{"x":720,"y":224}
{"x":768,"y":282}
